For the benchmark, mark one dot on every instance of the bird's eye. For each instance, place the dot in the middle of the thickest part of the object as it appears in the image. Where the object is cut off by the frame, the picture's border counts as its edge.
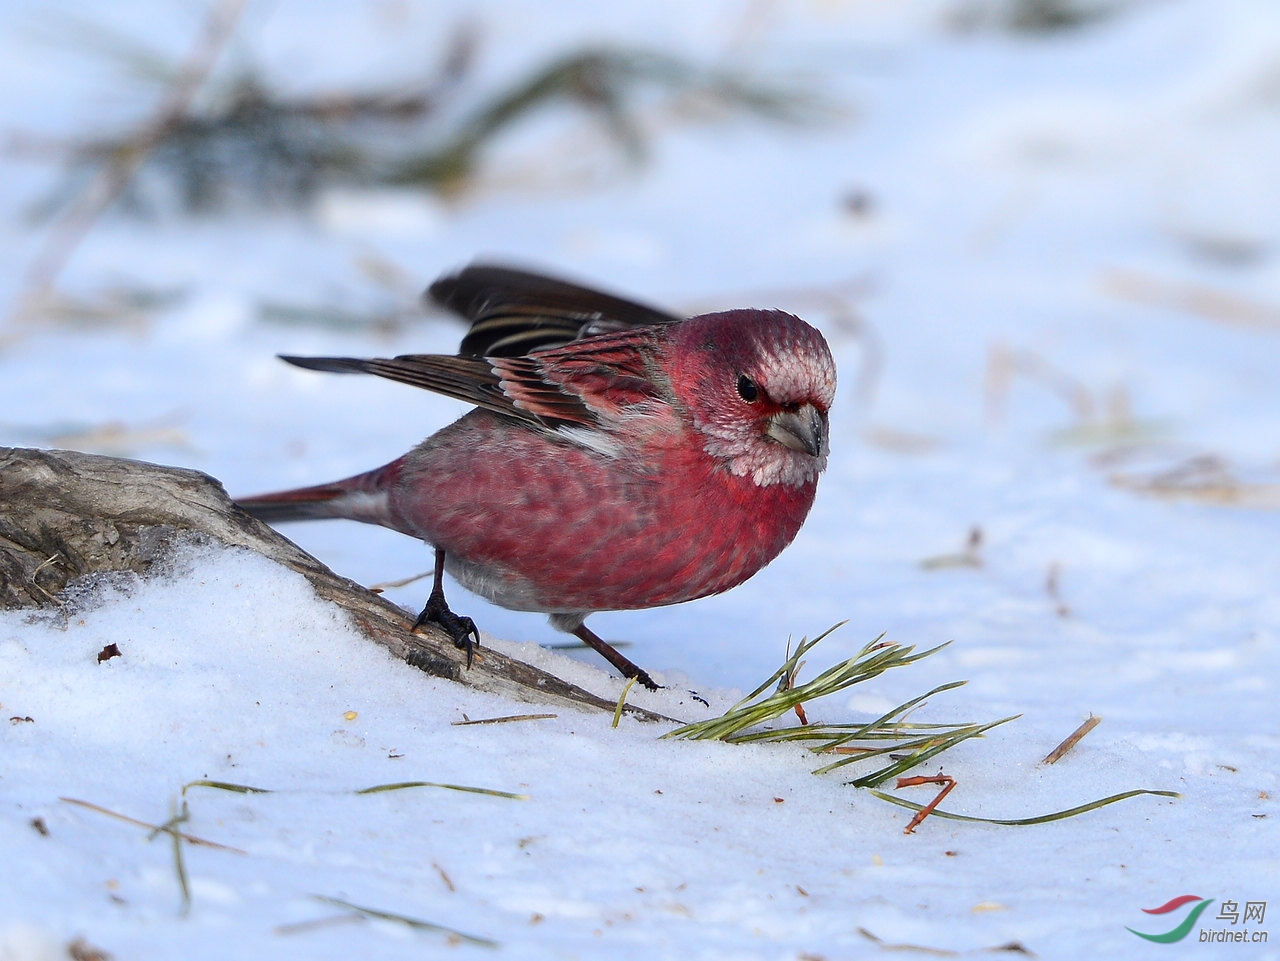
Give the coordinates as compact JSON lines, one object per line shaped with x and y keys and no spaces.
{"x":748,"y":390}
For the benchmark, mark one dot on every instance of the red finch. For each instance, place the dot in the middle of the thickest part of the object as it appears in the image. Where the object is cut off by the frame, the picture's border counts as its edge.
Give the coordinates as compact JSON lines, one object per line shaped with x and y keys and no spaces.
{"x":619,"y":457}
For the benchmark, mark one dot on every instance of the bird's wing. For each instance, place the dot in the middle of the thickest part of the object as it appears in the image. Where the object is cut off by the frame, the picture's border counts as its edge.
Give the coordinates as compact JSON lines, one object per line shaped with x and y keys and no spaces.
{"x":605,"y":375}
{"x":513,"y":312}
{"x":582,"y":383}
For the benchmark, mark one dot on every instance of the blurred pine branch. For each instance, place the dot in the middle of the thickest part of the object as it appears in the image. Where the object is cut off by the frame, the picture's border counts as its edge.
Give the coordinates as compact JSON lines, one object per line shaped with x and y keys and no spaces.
{"x":247,"y":140}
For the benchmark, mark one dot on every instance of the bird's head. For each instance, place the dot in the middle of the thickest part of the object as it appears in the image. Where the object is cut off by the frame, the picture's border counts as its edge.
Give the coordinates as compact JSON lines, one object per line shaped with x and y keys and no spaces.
{"x":758,"y":385}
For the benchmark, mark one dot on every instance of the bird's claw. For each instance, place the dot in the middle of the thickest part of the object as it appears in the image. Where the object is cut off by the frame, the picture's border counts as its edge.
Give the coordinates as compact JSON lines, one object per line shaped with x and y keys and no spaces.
{"x":462,"y":630}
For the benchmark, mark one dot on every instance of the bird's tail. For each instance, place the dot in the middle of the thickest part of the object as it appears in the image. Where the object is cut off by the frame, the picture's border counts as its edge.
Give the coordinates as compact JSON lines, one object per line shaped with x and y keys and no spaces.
{"x":359,"y":498}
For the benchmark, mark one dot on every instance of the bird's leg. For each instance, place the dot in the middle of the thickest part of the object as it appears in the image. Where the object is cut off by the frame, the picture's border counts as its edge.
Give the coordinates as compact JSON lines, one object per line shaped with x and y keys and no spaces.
{"x":601,"y":647}
{"x":461,"y":629}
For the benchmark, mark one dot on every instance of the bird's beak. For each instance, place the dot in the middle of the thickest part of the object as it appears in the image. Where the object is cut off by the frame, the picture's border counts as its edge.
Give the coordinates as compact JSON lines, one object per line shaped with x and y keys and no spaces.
{"x":801,"y":430}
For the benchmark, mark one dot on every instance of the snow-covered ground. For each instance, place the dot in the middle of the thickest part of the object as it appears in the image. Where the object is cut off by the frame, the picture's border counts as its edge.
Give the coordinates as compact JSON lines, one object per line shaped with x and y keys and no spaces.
{"x":1049,"y":267}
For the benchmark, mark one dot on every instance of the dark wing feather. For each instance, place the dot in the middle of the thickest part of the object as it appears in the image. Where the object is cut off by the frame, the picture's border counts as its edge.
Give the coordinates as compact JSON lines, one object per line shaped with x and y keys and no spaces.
{"x":469,"y":379}
{"x":513,"y":312}
{"x":573,"y":384}
{"x":608,"y":373}
{"x":540,"y":350}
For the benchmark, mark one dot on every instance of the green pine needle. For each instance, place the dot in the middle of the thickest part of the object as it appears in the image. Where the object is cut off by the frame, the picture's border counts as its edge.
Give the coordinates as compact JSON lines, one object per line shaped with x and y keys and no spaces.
{"x":888,"y":734}
{"x":907,"y":745}
{"x":402,"y":785}
{"x":1022,"y":822}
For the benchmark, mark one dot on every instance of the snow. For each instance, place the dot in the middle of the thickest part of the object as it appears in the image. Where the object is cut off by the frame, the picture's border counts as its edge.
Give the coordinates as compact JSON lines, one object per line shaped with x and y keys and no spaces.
{"x":1045,"y":213}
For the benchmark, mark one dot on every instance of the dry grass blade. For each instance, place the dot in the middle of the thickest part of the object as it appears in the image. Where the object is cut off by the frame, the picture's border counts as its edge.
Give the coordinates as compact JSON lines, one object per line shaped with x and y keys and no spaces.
{"x":907,"y":948}
{"x":401,"y":582}
{"x":301,"y":927}
{"x":153,"y":828}
{"x":505,"y":719}
{"x":416,"y":923}
{"x":622,"y":701}
{"x":170,"y":827}
{"x":226,"y":786}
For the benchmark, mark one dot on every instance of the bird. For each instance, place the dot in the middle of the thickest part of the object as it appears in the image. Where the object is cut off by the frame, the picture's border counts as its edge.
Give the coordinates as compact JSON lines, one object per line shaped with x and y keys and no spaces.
{"x":618,"y":456}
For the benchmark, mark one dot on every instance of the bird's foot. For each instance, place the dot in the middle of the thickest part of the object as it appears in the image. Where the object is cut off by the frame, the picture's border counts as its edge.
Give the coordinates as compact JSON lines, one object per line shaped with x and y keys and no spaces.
{"x":461,"y":629}
{"x":644,"y":680}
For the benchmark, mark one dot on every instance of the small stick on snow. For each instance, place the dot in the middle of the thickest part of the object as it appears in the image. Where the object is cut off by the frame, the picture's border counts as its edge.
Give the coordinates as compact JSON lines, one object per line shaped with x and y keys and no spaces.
{"x":1074,"y":738}
{"x":946,"y":780}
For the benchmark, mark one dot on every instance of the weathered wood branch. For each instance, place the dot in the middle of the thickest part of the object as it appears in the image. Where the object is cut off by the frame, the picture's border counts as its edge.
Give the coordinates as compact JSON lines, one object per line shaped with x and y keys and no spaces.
{"x":64,"y":515}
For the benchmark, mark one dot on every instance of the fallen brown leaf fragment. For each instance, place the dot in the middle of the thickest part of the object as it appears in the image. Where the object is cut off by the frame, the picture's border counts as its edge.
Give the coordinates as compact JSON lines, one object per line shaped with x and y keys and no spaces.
{"x":82,"y":950}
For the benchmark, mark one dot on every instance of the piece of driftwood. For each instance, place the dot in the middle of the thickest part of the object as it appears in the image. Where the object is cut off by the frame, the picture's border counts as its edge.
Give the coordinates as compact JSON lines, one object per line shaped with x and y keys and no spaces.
{"x":65,"y":514}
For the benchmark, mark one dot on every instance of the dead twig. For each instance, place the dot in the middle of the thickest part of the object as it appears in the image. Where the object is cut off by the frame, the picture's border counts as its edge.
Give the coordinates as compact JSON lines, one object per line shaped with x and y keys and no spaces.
{"x":1074,"y":738}
{"x":946,"y":780}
